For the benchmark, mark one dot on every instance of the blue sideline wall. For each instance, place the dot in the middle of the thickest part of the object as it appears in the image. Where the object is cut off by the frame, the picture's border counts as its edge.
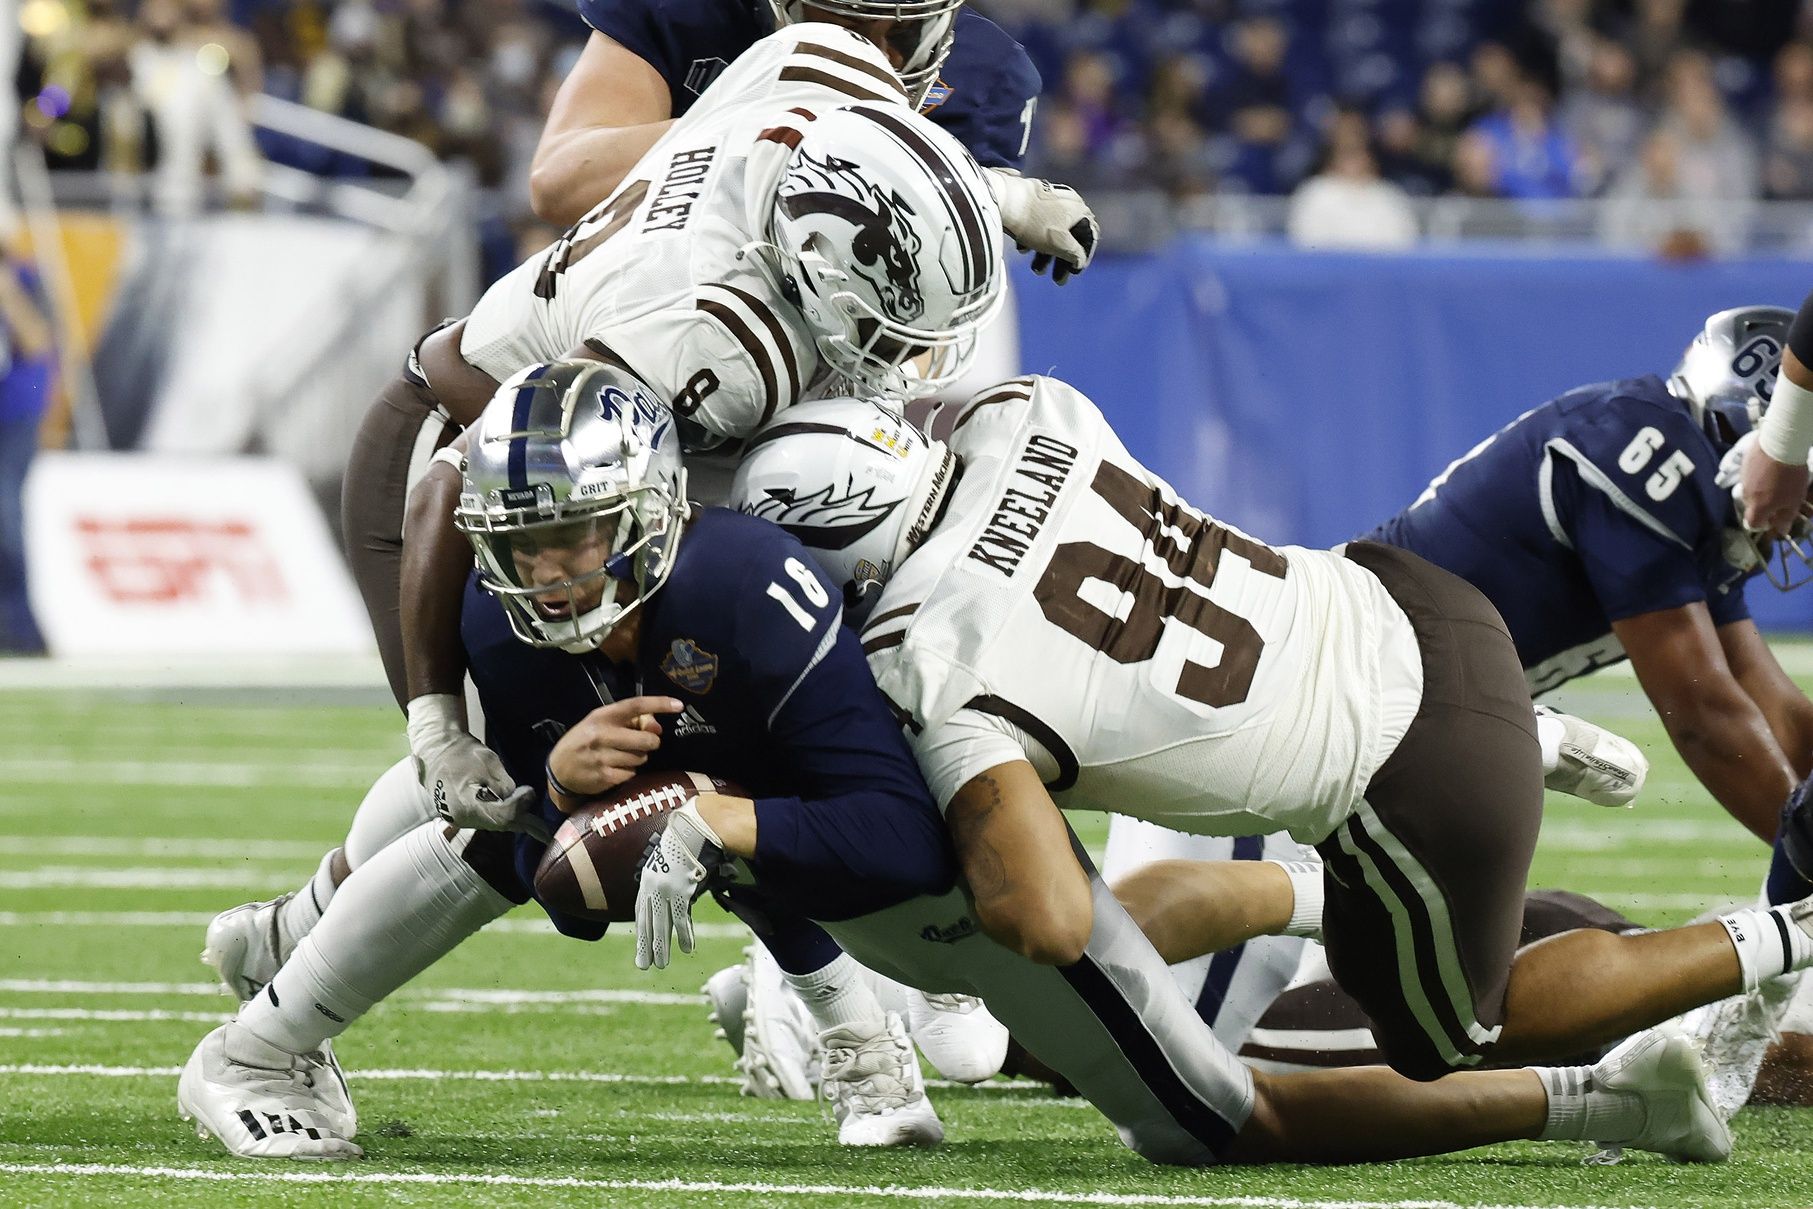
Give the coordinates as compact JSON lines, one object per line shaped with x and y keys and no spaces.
{"x":1305,"y":397}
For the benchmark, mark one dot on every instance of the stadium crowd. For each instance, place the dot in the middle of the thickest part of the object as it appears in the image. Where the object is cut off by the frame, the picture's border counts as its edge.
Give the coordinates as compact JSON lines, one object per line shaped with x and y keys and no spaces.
{"x":1368,"y":102}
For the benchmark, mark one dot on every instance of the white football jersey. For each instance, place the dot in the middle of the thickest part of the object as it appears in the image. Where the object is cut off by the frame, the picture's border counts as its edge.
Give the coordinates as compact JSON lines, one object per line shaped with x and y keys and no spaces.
{"x":661,"y":273}
{"x":1071,"y":611}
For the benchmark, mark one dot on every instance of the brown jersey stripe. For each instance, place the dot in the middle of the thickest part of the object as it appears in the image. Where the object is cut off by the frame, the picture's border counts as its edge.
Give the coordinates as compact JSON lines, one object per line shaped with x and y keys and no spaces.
{"x":1019,"y":390}
{"x":752,"y":345}
{"x":965,"y":210}
{"x":853,"y":63}
{"x":871,"y":645}
{"x":891,"y":614}
{"x":1049,"y":739}
{"x":787,"y":136}
{"x":811,"y":75}
{"x":766,"y":314}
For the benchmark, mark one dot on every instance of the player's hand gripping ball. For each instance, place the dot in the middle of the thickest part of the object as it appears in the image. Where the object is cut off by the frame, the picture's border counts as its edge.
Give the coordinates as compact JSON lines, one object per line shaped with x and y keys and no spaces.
{"x":593,"y":867}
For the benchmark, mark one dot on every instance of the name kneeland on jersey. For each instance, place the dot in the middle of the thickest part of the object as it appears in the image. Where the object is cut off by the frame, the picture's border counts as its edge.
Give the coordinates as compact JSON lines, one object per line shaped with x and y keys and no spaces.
{"x":1149,"y":661}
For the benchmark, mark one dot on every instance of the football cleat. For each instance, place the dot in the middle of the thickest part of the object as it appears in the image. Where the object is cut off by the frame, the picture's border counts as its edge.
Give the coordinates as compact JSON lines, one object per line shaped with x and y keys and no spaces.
{"x":957,"y":1034}
{"x":876,"y":1092}
{"x":1594,"y":764}
{"x":780,"y":1053}
{"x":260,"y":1102}
{"x":1662,"y":1069}
{"x":728,"y":994}
{"x":245,"y":946}
{"x":1732,"y":1036}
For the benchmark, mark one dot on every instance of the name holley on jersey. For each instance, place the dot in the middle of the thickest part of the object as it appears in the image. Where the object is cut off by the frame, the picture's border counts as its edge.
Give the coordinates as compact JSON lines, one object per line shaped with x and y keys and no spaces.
{"x":1021,"y":512}
{"x":671,"y":208}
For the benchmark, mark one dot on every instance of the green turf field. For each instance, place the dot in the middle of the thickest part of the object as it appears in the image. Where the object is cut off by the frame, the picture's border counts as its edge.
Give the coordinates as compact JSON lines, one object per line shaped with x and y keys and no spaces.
{"x":533,"y":1070}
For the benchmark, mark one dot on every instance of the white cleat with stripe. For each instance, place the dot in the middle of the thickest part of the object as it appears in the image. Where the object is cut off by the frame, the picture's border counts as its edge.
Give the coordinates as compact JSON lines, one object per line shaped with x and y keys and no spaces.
{"x":779,"y":1059}
{"x":245,"y":946}
{"x":260,"y":1102}
{"x":1681,"y":1120}
{"x":1589,"y":762}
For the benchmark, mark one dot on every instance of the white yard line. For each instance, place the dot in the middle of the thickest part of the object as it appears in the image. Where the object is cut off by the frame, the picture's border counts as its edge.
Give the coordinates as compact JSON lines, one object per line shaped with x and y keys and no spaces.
{"x":90,"y":846}
{"x":714,"y":1188}
{"x":272,"y":774}
{"x":145,"y":877}
{"x":433,"y":1075}
{"x":455,"y":995}
{"x":113,"y":1015}
{"x":1609,"y":830}
{"x":528,"y":924}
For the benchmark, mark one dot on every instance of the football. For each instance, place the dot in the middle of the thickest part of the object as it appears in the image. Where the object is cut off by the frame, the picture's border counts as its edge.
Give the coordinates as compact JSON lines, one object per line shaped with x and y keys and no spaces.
{"x":592,"y":865}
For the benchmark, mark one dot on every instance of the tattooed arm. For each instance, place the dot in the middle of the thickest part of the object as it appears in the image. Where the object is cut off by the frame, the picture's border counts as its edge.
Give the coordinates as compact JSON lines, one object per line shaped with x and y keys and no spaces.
{"x":1030,"y":893}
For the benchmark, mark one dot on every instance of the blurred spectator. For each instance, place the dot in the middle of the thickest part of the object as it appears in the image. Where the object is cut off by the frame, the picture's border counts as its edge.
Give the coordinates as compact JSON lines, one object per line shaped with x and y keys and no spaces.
{"x":1794,"y":72}
{"x":1088,"y":95}
{"x":1655,"y":33}
{"x":1444,"y":111}
{"x":180,"y":75}
{"x":1653,"y":206}
{"x":26,"y":373}
{"x":1715,"y":157}
{"x":1602,"y":115}
{"x":1348,"y":204}
{"x":1175,"y":158}
{"x":1531,"y":156}
{"x":1256,"y":103}
{"x":1496,"y":76}
{"x":1788,"y":164}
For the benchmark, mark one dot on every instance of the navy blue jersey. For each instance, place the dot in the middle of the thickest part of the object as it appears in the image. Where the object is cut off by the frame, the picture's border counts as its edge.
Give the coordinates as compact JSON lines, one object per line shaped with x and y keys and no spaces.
{"x":778,"y":699}
{"x":984,"y":96}
{"x":1597,"y":506}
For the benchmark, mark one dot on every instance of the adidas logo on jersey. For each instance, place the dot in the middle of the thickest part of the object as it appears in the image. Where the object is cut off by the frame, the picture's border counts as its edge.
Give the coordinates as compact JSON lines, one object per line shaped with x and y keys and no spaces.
{"x":691,"y":722}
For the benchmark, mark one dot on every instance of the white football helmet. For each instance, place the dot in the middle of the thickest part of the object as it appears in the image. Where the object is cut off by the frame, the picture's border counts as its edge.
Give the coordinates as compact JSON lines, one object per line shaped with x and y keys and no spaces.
{"x":858,"y":485}
{"x":888,"y":240}
{"x":921,"y":35}
{"x":574,"y":499}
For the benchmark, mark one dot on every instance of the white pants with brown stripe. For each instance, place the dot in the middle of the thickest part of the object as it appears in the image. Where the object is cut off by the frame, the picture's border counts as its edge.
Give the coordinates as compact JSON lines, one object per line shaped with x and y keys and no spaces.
{"x":1114,"y":1024}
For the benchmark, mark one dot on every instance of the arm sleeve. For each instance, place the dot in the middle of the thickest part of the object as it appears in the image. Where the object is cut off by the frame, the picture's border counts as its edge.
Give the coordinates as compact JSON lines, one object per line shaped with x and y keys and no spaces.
{"x":863,"y":833}
{"x":636,"y":26}
{"x":992,"y":89}
{"x":971,"y":742}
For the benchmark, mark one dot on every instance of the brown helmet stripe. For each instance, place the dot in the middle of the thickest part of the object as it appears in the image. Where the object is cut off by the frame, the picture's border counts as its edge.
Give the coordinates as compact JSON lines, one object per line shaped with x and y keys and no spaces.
{"x":958,"y":199}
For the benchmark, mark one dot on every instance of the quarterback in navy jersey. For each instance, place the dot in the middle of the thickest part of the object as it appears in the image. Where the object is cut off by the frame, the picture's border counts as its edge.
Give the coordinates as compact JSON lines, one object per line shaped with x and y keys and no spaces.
{"x":1602,"y":526}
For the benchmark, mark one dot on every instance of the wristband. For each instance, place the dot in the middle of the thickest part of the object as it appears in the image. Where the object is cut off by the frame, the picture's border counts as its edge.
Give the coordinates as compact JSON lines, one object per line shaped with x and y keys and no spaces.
{"x":554,"y":784}
{"x":1786,"y":433}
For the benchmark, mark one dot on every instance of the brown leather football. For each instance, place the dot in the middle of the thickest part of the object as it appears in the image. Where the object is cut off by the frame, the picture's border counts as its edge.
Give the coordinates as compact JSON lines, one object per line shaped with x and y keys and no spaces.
{"x":593,"y":864}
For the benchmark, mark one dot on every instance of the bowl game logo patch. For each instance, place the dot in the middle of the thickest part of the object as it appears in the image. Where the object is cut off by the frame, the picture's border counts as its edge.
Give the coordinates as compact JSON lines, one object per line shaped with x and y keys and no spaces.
{"x":690,"y":666}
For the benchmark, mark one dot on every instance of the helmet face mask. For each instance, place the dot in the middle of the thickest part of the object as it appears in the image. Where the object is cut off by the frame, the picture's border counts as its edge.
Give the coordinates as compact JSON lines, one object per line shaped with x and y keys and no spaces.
{"x":920,"y":37}
{"x":574,"y":501}
{"x":886,"y":237}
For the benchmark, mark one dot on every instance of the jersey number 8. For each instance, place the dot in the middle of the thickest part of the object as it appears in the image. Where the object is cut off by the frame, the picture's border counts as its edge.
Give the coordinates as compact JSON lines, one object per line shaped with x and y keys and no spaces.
{"x":1190,"y":545}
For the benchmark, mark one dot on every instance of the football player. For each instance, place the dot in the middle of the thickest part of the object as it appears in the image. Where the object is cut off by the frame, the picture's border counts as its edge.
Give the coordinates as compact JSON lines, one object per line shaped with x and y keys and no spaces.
{"x":646,"y":63}
{"x":614,"y":632}
{"x":799,"y":224}
{"x":575,"y":510}
{"x":1067,"y":630}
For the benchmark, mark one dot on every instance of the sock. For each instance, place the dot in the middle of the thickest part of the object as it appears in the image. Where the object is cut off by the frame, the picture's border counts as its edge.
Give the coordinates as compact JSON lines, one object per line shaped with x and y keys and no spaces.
{"x":1550,"y":730}
{"x":891,"y":995}
{"x":1786,"y":884}
{"x":1791,"y":868}
{"x":395,"y":805}
{"x":298,"y":914}
{"x":838,"y":994}
{"x":1306,"y":885}
{"x":399,"y":913}
{"x":1772,"y":942}
{"x":1581,"y":1112}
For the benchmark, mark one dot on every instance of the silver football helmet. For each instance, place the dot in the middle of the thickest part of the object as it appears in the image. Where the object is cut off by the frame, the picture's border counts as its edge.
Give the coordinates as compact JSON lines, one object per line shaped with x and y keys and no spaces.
{"x":1727,"y":377}
{"x":574,"y":500}
{"x":887,"y":238}
{"x":921,"y":36}
{"x":857,"y":484}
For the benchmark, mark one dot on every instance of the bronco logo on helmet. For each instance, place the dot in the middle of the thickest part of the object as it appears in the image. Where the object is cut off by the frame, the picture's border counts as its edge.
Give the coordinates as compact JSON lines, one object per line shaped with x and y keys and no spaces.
{"x":885,"y":244}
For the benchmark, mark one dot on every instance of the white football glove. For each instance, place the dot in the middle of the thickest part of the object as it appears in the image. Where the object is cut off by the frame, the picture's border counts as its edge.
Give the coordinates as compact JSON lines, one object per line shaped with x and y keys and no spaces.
{"x":673,"y":875}
{"x":464,"y":777}
{"x":1051,"y":221}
